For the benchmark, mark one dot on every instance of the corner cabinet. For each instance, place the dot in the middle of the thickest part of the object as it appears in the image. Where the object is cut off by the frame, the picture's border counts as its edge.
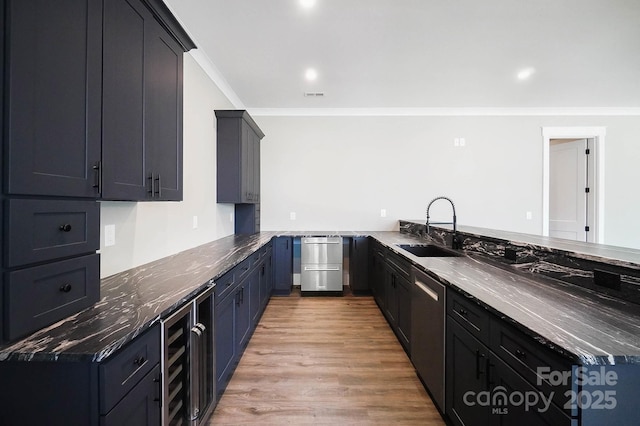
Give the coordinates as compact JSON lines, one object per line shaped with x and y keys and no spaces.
{"x":142,"y":102}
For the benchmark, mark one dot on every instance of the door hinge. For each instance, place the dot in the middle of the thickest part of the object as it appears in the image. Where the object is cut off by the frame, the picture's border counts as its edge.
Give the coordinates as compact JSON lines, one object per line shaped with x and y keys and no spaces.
{"x":587,"y":151}
{"x":586,"y":190}
{"x":586,"y":229}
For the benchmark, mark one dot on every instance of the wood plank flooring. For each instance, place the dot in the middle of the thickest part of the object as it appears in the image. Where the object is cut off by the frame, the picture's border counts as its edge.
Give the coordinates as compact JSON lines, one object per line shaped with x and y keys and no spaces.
{"x":324,"y":360}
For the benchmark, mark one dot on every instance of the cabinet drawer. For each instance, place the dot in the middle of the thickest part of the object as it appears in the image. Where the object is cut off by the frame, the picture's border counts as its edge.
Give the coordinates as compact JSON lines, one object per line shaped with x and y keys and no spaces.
{"x":120,"y":373}
{"x":399,"y":265}
{"x":224,"y":285}
{"x":41,"y":230}
{"x":470,"y":315}
{"x":39,"y":296}
{"x":528,"y":357}
{"x":231,"y":279}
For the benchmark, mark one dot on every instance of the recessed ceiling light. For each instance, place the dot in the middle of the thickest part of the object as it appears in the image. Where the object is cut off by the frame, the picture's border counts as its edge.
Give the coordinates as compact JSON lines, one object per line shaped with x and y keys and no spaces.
{"x":525,"y":74}
{"x":311,"y":74}
{"x":307,"y":4}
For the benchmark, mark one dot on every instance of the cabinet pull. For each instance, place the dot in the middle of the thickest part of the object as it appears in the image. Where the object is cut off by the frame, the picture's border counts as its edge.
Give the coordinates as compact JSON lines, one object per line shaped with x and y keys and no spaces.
{"x":159,"y":191}
{"x":151,"y":188}
{"x":463,"y":312}
{"x":65,"y":228}
{"x":65,"y":288}
{"x":479,"y":356}
{"x":520,"y":354}
{"x":139,"y":361}
{"x":97,"y":183}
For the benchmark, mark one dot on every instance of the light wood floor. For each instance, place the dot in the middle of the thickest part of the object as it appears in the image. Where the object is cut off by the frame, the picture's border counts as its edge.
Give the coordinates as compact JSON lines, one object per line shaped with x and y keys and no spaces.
{"x":324,"y":360}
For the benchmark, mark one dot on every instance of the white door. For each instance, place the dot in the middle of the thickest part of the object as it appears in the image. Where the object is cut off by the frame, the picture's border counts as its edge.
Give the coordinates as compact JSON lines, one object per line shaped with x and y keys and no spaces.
{"x":571,"y":189}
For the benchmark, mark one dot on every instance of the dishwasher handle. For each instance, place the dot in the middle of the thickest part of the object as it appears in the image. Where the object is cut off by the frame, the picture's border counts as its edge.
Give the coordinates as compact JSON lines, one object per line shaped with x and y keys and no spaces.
{"x":425,"y":288}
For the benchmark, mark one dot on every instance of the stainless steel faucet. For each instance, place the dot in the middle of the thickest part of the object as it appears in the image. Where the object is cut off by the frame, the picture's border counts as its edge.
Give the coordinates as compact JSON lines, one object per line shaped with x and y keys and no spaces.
{"x":454,"y":242}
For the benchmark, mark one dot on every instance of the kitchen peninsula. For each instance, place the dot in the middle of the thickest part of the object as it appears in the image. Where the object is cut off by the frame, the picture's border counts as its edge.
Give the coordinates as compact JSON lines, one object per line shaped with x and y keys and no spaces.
{"x":568,"y":324}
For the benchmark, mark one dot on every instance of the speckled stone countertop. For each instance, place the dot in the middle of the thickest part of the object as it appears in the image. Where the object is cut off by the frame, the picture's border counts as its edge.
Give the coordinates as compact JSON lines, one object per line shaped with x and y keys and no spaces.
{"x":578,"y":323}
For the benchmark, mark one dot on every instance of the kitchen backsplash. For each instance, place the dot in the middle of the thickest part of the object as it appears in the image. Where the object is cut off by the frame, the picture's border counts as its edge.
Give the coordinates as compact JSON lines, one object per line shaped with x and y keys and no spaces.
{"x":567,"y":266}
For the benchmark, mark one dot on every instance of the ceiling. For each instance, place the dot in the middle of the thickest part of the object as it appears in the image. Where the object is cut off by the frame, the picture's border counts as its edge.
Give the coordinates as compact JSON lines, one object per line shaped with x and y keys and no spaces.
{"x":420,"y":53}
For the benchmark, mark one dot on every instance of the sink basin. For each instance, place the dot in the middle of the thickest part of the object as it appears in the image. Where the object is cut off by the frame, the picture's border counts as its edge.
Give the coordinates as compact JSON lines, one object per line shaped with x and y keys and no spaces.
{"x":428,"y":250}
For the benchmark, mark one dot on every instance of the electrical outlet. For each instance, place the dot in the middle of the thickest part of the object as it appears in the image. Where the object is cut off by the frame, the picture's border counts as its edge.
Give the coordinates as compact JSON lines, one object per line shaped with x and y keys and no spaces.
{"x":292,"y":216}
{"x":463,"y":142}
{"x":456,"y":142}
{"x":195,"y":222}
{"x":529,"y":215}
{"x":383,"y":212}
{"x":109,"y":235}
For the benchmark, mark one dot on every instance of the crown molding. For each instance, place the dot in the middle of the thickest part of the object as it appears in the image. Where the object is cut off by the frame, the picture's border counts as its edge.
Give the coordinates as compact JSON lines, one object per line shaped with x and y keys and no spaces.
{"x":441,"y":112}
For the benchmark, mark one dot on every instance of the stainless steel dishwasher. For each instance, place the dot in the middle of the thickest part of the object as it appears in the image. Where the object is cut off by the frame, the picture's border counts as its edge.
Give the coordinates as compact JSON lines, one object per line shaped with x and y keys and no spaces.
{"x":428,"y":333}
{"x":321,"y":264}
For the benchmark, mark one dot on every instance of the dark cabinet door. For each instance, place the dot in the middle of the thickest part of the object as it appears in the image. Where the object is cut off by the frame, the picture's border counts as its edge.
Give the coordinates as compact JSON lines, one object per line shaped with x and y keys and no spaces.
{"x":225,"y":339}
{"x":238,"y":157}
{"x":403,"y":293}
{"x":243,"y":314}
{"x":359,"y":266}
{"x":466,"y":377}
{"x":254,"y":293}
{"x":142,"y":106}
{"x":141,"y":406}
{"x":391,"y":297}
{"x":504,"y":412}
{"x":283,"y":265}
{"x":124,"y":152}
{"x":54,"y":88}
{"x":163,"y":113}
{"x":378,"y":280}
{"x":265,"y":280}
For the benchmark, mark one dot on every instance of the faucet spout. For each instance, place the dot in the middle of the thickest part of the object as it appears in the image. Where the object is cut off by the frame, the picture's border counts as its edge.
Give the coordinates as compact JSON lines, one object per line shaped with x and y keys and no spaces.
{"x":454,"y":242}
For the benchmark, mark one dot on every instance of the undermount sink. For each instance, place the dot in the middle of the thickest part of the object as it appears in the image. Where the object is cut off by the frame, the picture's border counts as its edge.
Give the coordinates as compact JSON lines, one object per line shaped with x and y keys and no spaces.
{"x":428,"y":250}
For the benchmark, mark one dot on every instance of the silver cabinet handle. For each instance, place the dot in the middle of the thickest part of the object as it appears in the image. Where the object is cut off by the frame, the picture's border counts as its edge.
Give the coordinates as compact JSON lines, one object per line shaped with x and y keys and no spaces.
{"x":427,"y":290}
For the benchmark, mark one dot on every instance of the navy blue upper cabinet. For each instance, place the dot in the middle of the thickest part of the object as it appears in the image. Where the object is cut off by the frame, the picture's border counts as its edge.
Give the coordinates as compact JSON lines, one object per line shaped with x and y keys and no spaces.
{"x":53,"y":97}
{"x":238,"y":151}
{"x":142,"y":105}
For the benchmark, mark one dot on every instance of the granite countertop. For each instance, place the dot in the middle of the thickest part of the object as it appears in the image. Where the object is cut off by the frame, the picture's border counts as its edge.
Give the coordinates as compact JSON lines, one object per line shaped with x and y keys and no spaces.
{"x":577,"y":323}
{"x":621,"y":256}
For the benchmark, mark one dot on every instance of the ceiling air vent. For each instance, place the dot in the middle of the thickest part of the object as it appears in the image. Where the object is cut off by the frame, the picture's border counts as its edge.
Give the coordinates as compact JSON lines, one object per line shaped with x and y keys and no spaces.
{"x":313,"y":94}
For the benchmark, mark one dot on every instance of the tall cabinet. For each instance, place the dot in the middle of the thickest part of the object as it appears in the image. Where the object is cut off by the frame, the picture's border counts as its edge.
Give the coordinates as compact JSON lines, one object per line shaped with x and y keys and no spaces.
{"x":238,"y":166}
{"x":142,"y":104}
{"x":91,"y":109}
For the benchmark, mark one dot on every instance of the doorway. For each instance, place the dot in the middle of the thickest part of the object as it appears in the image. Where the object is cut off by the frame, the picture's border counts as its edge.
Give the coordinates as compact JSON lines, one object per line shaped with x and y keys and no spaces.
{"x":573,"y":183}
{"x":571,"y":200}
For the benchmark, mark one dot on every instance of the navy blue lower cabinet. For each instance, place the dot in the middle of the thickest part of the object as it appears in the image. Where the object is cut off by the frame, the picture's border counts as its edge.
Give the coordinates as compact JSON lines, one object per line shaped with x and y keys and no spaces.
{"x":283,"y":265}
{"x":466,"y":378}
{"x":359,"y":265}
{"x":140,"y":407}
{"x":243,"y":315}
{"x":226,"y":349}
{"x":255,"y":296}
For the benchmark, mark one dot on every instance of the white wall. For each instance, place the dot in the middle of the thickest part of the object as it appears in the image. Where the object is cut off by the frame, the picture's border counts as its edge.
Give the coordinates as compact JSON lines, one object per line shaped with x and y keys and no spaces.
{"x":336,"y":173}
{"x":147,"y":231}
